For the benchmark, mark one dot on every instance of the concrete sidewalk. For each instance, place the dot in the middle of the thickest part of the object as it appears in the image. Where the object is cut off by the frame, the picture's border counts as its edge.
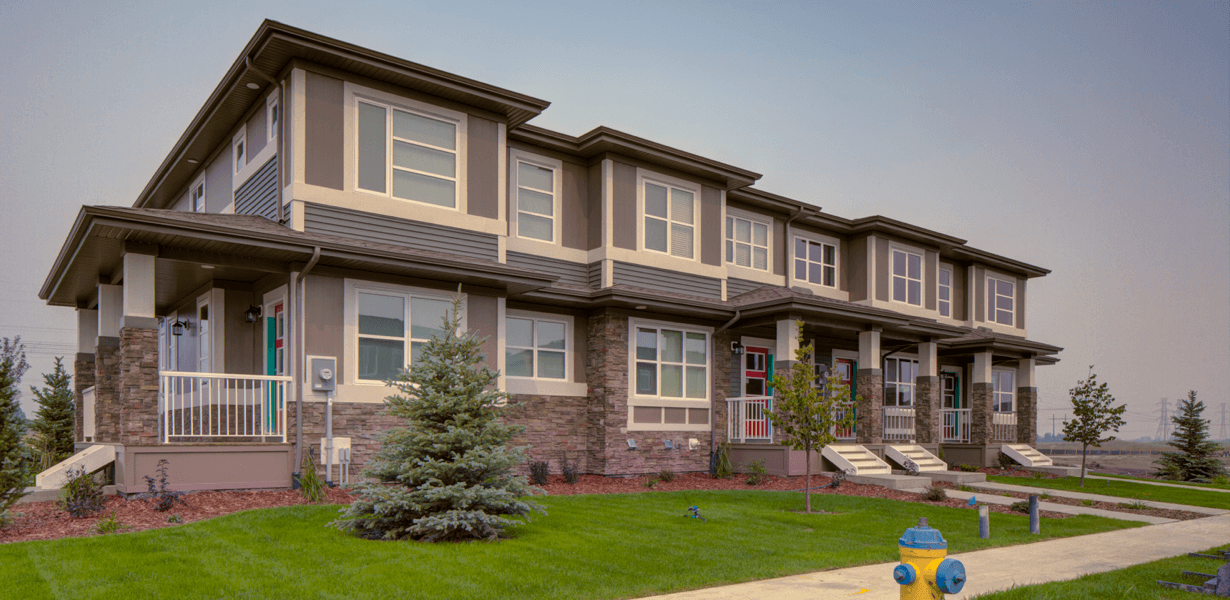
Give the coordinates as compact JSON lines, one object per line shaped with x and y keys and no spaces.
{"x":995,"y":569}
{"x":1005,"y":487}
{"x":1161,"y":483}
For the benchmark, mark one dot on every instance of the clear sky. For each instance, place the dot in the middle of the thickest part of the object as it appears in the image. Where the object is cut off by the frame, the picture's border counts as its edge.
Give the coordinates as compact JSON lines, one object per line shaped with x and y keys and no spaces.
{"x":1090,"y":139}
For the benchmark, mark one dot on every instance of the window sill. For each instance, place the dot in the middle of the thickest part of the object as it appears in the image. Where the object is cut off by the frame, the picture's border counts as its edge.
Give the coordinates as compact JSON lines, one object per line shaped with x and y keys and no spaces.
{"x":545,"y":387}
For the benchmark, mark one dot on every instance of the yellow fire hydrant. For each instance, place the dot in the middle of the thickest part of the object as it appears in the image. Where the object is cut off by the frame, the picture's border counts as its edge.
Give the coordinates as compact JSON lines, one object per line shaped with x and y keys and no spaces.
{"x":925,"y":573}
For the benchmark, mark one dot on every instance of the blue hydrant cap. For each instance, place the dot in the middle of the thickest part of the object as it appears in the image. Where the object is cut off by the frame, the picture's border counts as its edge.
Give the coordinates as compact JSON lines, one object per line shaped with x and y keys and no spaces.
{"x":904,"y":574}
{"x":922,"y":537}
{"x":950,"y":576}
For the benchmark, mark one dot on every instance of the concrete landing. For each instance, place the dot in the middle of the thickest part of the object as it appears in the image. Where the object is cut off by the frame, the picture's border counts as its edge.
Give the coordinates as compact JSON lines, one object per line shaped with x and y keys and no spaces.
{"x":892,"y":482}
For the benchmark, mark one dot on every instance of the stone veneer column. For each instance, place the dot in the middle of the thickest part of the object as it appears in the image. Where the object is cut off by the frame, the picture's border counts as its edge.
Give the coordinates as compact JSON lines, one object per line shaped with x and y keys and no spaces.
{"x":1026,"y":403}
{"x":83,"y":377}
{"x":606,"y":371}
{"x":927,"y":396}
{"x":981,"y":394}
{"x":723,"y":365}
{"x":107,"y":390}
{"x":138,"y":386}
{"x":870,"y":383}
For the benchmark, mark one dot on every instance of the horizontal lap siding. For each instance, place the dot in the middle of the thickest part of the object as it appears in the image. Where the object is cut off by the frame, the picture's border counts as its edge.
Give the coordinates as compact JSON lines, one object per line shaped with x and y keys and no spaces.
{"x":595,"y":275}
{"x":665,"y":280}
{"x":569,"y":272}
{"x":318,"y":218}
{"x":259,"y":194}
{"x":736,"y":287}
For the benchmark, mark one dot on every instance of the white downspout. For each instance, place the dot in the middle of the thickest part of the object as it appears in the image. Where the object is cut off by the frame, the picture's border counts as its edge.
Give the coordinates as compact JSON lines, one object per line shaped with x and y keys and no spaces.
{"x":300,"y":355}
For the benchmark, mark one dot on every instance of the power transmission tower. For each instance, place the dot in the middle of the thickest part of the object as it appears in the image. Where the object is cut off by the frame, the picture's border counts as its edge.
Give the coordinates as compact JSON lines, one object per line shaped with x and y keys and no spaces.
{"x":1223,"y":435}
{"x":1163,"y":425}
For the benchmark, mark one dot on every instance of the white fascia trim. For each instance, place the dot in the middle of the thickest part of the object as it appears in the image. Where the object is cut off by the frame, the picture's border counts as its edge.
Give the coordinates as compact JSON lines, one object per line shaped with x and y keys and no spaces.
{"x":557,"y":195}
{"x":298,"y":124}
{"x":643,"y":175}
{"x":1016,"y":298}
{"x":535,"y":385}
{"x":351,"y":93}
{"x":350,"y":326}
{"x":846,"y":354}
{"x":404,"y":209}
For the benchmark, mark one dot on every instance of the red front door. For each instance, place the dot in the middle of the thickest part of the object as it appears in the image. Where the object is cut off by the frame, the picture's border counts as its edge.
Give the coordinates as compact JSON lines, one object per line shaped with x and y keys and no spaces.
{"x":756,"y":378}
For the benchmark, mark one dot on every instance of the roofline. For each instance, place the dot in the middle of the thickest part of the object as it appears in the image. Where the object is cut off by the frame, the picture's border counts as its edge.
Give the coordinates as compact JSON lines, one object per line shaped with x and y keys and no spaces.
{"x":270,"y":29}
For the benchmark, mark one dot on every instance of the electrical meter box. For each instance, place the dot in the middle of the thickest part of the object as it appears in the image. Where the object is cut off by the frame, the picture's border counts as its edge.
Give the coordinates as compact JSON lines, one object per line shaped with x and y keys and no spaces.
{"x":324,"y":374}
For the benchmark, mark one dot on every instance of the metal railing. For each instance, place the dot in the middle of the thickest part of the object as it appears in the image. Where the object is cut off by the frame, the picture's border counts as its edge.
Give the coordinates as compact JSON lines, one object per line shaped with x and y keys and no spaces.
{"x":843,"y":434}
{"x":216,"y":405}
{"x":898,"y":423}
{"x":749,"y":419}
{"x":955,"y":425}
{"x":1003,"y":427}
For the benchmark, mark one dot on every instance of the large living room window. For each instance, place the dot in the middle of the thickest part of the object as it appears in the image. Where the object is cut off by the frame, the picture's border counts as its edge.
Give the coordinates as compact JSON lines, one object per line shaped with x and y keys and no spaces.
{"x":406,"y":154}
{"x":671,"y":363}
{"x":1004,"y":394}
{"x":907,"y":277}
{"x":747,"y":243}
{"x":536,"y":347}
{"x":391,"y":326}
{"x":1001,"y":300}
{"x":899,"y":381}
{"x":670,"y":219}
{"x":815,"y":262}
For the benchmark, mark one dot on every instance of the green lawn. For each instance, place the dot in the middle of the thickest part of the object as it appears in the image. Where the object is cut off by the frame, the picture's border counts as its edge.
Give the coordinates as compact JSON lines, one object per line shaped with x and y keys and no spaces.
{"x":1132,"y":583}
{"x":1124,"y":489}
{"x":612,"y":546}
{"x":1129,"y":477}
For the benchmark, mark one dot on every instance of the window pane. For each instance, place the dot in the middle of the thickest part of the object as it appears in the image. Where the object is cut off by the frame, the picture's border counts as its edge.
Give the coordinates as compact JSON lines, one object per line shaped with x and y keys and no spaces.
{"x":760,"y":234}
{"x":730,"y":228}
{"x":382,"y":315}
{"x":380,"y":360}
{"x":427,"y":317}
{"x":1004,"y":317}
{"x":373,"y":166}
{"x":551,"y":335}
{"x":743,"y":231}
{"x":695,"y":348}
{"x":800,"y":248}
{"x":944,"y":310}
{"x":800,"y":270}
{"x":424,"y":188}
{"x":730,"y":251}
{"x":519,"y":332}
{"x":760,"y":258}
{"x":551,"y":365}
{"x":696,"y":382}
{"x":681,"y":240}
{"x":519,"y":363}
{"x":814,"y":273}
{"x":915,"y":292}
{"x":743,"y":255}
{"x":830,"y":255}
{"x":815,"y":252}
{"x":898,"y":263}
{"x":944,"y":293}
{"x":682,"y":205}
{"x":655,"y":234}
{"x":830,"y":276}
{"x":1003,"y":303}
{"x":672,"y":381}
{"x":672,"y":347}
{"x":890,"y":370}
{"x":534,"y":226}
{"x":655,"y":200}
{"x":1005,"y":288}
{"x":535,"y":177}
{"x":915,"y":266}
{"x":646,"y":344}
{"x":647,"y":378}
{"x":419,"y":158}
{"x":890,"y":395}
{"x":535,"y":202}
{"x":898,"y":289}
{"x":945,"y":277}
{"x":422,"y":129}
{"x":991,"y":300}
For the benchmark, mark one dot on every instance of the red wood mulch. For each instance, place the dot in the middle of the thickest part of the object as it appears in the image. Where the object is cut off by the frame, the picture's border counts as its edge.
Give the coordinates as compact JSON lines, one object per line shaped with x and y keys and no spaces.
{"x":46,"y":521}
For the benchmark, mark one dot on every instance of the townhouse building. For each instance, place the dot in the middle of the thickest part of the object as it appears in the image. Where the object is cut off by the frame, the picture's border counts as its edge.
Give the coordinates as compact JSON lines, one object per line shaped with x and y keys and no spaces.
{"x":311,"y":226}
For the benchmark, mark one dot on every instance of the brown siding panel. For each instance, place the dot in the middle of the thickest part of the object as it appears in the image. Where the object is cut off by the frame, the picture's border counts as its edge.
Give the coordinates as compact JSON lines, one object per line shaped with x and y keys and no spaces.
{"x":625,"y":206}
{"x":594,"y":202}
{"x":323,"y":318}
{"x":711,"y":226}
{"x":482,"y":319}
{"x":780,"y":243}
{"x":980,"y":294}
{"x":1020,"y":303}
{"x":576,"y":217}
{"x":930,"y":279}
{"x":239,"y":334}
{"x":856,"y":266}
{"x":958,"y":293}
{"x":324,"y":134}
{"x":483,"y":170}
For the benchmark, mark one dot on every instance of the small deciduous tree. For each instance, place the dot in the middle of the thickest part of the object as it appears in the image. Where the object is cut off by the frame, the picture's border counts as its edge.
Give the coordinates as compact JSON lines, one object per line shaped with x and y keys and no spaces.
{"x":448,"y":473}
{"x":806,"y":414}
{"x":14,"y":455}
{"x":55,"y":420}
{"x":1092,"y":416}
{"x":1195,"y":460}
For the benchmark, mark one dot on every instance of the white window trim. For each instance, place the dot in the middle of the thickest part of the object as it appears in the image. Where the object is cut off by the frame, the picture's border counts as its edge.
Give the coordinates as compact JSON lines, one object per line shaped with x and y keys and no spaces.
{"x":823,"y":239}
{"x":557,"y":167}
{"x":1016,"y":285}
{"x":1011,"y":389}
{"x":240,"y":138}
{"x":938,"y":285}
{"x":534,"y":385}
{"x":656,"y":401}
{"x":765,"y":220}
{"x":351,"y":387}
{"x":200,"y":181}
{"x":353,"y":93}
{"x":643,"y":176}
{"x":894,"y":247}
{"x":912,"y":384}
{"x":270,"y":104}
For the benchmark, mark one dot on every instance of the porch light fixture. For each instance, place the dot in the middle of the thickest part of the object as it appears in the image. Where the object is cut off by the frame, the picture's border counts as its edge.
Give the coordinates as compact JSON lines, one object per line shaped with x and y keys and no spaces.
{"x":207,"y":266}
{"x":252,"y":315}
{"x":178,"y":327}
{"x":641,"y":307}
{"x":252,"y":85}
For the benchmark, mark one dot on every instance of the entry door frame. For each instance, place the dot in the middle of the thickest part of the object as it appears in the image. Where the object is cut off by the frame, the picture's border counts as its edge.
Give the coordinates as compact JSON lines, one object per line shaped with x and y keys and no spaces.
{"x":767,"y":346}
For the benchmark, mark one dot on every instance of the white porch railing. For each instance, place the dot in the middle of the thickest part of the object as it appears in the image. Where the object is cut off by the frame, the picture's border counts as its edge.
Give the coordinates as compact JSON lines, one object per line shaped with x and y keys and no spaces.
{"x":843,"y":434}
{"x":748,"y":419}
{"x":220,"y":405}
{"x":1003,"y":427}
{"x":87,"y":414}
{"x":955,"y":425}
{"x":898,"y":423}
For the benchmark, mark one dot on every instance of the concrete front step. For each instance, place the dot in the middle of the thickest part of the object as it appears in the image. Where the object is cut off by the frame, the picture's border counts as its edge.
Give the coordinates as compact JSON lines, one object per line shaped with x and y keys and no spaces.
{"x":892,"y":482}
{"x":1027,"y":455}
{"x":957,"y":477}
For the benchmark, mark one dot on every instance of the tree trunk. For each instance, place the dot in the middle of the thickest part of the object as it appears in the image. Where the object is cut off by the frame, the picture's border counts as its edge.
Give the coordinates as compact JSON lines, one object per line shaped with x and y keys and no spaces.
{"x":1084,"y":456}
{"x":807,"y":493}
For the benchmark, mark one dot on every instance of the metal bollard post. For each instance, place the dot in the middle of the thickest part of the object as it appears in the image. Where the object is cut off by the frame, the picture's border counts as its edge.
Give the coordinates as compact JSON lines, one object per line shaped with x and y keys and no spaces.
{"x":1034,"y":527}
{"x":984,"y":522}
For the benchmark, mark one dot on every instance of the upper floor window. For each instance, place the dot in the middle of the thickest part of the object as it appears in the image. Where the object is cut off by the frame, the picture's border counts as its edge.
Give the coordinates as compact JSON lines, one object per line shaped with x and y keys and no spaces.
{"x":670,"y":219}
{"x":535,"y":201}
{"x":237,"y":145}
{"x":392,"y":325}
{"x":747,"y":243}
{"x":536,"y":347}
{"x":945,"y":303}
{"x":907,"y":277}
{"x":671,"y":363}
{"x":1001,"y":300}
{"x":899,"y":381}
{"x":196,"y":197}
{"x":407,"y":155}
{"x":1003,"y":392}
{"x":272,"y":114}
{"x":815,"y":262}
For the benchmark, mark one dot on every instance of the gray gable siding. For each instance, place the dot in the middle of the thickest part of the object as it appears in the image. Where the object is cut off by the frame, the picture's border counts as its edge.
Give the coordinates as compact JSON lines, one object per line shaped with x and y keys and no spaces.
{"x":259,"y":194}
{"x":735,"y":286}
{"x":569,"y":272}
{"x":595,"y":275}
{"x":665,"y":280}
{"x":343,"y":222}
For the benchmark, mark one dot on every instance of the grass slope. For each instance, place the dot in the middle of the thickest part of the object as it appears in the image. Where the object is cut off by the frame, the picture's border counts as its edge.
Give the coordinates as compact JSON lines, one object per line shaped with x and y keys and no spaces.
{"x":1124,"y":489}
{"x":1217,"y":486}
{"x":610,"y":546}
{"x":1133,"y":583}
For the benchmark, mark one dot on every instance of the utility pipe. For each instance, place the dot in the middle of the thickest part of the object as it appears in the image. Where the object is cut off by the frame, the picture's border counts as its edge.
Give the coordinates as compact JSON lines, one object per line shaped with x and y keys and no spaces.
{"x":790,"y":263}
{"x":713,"y":403}
{"x":301,"y":355}
{"x":281,"y":131}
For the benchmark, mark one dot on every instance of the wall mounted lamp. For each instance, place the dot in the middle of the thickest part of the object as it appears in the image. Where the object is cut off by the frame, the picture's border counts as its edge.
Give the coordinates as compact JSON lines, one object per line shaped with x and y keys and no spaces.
{"x":252,"y":315}
{"x":178,"y":327}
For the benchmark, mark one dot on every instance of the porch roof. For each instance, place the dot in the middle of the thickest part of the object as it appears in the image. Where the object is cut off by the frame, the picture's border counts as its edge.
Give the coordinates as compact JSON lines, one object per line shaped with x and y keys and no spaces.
{"x":978,"y":340}
{"x":239,"y":248}
{"x":774,"y":300}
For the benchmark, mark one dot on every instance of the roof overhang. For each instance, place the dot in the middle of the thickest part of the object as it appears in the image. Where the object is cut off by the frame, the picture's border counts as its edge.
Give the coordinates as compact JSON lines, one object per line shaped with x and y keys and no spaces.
{"x":1003,"y":345}
{"x":271,"y":50}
